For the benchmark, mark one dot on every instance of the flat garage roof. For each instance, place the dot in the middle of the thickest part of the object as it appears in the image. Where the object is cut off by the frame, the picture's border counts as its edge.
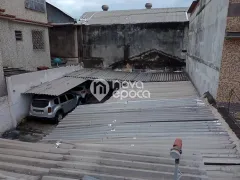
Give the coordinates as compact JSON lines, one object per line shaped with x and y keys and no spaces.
{"x":56,"y":87}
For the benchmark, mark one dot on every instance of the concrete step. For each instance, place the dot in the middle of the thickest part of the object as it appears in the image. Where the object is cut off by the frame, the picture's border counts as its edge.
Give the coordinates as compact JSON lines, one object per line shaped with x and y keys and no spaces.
{"x":132,"y":175}
{"x":28,"y":161}
{"x":32,"y":154}
{"x":23,"y":169}
{"x":116,"y":164}
{"x":18,"y":176}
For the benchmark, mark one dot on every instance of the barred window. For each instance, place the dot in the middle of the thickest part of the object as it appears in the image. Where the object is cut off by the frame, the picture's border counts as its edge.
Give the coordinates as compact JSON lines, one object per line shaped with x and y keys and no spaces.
{"x":18,"y":35}
{"x":38,"y":39}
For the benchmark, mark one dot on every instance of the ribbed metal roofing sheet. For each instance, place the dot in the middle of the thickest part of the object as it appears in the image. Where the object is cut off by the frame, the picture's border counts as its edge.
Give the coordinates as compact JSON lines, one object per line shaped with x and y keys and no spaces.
{"x":56,"y":87}
{"x":152,"y":126}
{"x":158,"y":15}
{"x":127,"y":76}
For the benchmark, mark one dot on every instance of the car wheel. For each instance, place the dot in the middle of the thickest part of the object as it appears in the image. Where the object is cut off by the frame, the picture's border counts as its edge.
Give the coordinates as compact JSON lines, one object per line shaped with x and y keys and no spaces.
{"x":58,"y":117}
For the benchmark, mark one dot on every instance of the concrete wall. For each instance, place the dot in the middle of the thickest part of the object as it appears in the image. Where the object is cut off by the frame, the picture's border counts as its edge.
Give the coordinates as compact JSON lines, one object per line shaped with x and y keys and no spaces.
{"x":17,"y":8}
{"x":108,"y":42}
{"x":57,"y":16}
{"x":2,"y":79}
{"x":20,"y":54}
{"x":16,"y":85}
{"x":6,"y":122}
{"x":230,"y":68}
{"x":62,"y":41}
{"x":206,"y":37}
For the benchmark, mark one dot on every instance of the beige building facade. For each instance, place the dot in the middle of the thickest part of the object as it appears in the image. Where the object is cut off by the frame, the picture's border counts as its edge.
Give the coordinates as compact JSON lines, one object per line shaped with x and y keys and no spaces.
{"x":24,"y":34}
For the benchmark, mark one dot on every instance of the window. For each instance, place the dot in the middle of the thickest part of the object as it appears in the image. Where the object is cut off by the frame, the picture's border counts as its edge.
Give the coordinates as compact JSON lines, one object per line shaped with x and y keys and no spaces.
{"x":18,"y":35}
{"x":40,"y":103}
{"x":63,"y":99}
{"x":70,"y":96}
{"x":56,"y":101}
{"x":38,"y":39}
{"x":35,"y":5}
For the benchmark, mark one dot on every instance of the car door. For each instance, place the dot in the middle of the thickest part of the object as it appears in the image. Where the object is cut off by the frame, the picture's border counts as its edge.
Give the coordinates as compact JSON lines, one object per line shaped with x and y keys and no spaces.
{"x":71,"y":101}
{"x":64,"y":103}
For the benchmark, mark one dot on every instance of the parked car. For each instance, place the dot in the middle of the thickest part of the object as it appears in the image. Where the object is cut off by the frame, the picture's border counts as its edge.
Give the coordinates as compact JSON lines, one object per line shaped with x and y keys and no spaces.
{"x":82,"y":92}
{"x":53,"y":108}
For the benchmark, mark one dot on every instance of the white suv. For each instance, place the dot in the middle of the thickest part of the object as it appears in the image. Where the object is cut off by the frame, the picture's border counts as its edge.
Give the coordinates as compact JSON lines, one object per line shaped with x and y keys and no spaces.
{"x":51,"y":107}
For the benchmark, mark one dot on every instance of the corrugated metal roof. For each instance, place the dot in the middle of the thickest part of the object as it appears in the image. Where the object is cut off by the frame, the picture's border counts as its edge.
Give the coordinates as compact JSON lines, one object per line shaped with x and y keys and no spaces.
{"x":8,"y":71}
{"x":181,"y":89}
{"x":127,"y":76}
{"x":158,"y":15}
{"x":35,"y":161}
{"x":56,"y":87}
{"x":152,"y":126}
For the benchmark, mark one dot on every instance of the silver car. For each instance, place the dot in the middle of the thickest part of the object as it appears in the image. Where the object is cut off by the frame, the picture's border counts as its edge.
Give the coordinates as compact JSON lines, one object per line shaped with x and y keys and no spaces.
{"x":53,"y":107}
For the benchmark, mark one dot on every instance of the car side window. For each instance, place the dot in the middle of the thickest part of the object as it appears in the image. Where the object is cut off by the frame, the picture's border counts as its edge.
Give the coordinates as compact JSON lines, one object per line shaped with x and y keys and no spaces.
{"x":63,"y":99}
{"x":56,"y":101}
{"x":70,"y":96}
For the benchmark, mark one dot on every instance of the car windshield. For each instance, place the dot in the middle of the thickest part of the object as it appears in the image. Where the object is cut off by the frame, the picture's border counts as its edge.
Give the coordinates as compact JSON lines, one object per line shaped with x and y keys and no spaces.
{"x":40,"y":103}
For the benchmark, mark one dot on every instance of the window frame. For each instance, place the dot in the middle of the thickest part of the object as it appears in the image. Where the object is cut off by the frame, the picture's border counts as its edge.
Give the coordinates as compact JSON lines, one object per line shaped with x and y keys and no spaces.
{"x":34,"y":43}
{"x":57,"y":100}
{"x":65,"y":99}
{"x":18,"y":33}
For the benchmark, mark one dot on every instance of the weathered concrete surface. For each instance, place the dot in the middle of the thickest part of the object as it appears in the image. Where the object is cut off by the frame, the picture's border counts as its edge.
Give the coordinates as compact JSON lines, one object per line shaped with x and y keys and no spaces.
{"x":3,"y":88}
{"x":62,"y":41}
{"x":206,"y":37}
{"x":18,"y":9}
{"x":20,"y":54}
{"x":108,"y":42}
{"x":5,"y":116}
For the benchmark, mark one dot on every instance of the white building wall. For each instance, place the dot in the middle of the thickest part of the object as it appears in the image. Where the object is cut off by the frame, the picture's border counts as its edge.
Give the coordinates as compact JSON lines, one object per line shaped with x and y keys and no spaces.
{"x":6,"y":122}
{"x":17,"y":8}
{"x":20,"y":54}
